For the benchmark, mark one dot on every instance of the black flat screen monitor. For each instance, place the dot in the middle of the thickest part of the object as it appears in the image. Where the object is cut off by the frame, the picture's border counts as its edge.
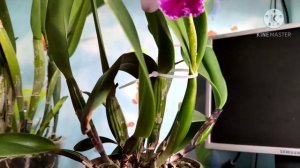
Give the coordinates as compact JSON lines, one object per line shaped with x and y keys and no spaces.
{"x":262,"y":71}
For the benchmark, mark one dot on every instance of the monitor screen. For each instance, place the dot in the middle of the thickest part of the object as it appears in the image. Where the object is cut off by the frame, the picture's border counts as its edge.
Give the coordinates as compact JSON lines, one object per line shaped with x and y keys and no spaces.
{"x":262,"y":71}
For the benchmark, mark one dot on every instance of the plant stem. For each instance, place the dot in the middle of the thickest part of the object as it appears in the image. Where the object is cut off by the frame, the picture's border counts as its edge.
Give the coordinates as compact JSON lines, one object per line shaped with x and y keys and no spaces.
{"x":103,"y":57}
{"x":56,"y":94}
{"x":79,"y":104}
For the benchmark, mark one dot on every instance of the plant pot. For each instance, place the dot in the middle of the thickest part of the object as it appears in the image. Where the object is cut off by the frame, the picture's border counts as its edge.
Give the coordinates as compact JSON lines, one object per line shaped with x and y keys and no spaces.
{"x":180,"y":163}
{"x":45,"y":160}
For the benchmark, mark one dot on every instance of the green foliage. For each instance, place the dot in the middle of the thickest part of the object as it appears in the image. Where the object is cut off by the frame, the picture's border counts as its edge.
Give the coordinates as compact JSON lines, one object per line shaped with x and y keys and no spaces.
{"x":5,"y":19}
{"x":211,"y":71}
{"x":14,"y":104}
{"x":86,"y":144}
{"x":146,"y":120}
{"x":61,"y":24}
{"x":50,"y":115}
{"x":9,"y":58}
{"x":16,"y":144}
{"x":116,"y":119}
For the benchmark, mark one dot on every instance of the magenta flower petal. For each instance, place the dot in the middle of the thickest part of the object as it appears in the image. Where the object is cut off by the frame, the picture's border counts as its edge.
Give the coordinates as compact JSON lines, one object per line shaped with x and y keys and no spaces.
{"x":150,"y":5}
{"x":182,"y":8}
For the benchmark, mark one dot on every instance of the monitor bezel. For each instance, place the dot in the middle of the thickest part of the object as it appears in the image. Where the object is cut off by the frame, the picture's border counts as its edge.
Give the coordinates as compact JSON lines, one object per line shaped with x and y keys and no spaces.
{"x":208,"y":105}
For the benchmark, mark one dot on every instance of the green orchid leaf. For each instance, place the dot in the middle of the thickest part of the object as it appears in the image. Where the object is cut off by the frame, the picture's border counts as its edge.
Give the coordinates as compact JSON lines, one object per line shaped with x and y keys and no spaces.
{"x":162,"y":36}
{"x":79,"y":12}
{"x":195,"y":126}
{"x":198,"y":117}
{"x":177,"y":27}
{"x":44,"y":5}
{"x":50,"y":115}
{"x":182,"y":122}
{"x":36,"y":19}
{"x":6,"y":21}
{"x":158,"y":27}
{"x":58,"y":14}
{"x":198,"y":120}
{"x":201,"y":30}
{"x":54,"y":91}
{"x":75,"y":156}
{"x":18,"y":144}
{"x":87,"y":144}
{"x":116,"y":119}
{"x":146,"y":118}
{"x":117,"y":151}
{"x":128,"y":63}
{"x":114,"y":112}
{"x":11,"y":60}
{"x":103,"y":57}
{"x":50,"y":91}
{"x":210,"y":70}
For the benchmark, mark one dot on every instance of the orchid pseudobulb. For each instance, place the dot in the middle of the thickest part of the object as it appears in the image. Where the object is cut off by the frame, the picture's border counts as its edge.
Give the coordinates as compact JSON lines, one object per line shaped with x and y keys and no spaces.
{"x":175,"y":8}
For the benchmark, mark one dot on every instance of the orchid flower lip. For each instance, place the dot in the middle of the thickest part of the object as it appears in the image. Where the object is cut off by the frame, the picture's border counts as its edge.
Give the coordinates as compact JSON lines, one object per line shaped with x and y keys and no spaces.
{"x":175,"y":9}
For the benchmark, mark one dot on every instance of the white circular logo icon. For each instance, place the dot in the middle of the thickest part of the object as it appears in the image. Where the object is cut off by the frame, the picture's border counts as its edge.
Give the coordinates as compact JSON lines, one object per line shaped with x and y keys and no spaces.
{"x":273,"y":18}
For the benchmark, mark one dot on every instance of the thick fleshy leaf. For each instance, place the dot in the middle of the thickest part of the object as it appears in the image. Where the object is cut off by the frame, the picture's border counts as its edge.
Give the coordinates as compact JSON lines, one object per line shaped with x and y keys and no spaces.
{"x":54,"y":84}
{"x":198,"y":120}
{"x":17,"y":144}
{"x":79,"y":12}
{"x":103,"y":57}
{"x":6,"y":21}
{"x":117,"y":151}
{"x":210,"y":70}
{"x":75,"y":156}
{"x":161,"y":34}
{"x":146,"y":120}
{"x":44,"y":4}
{"x":182,"y":122}
{"x":35,"y":19}
{"x":201,"y":30}
{"x":50,"y":115}
{"x":87,"y":144}
{"x":58,"y":14}
{"x":179,"y":30}
{"x":14,"y":70}
{"x":116,"y":119}
{"x":50,"y":90}
{"x":127,"y":62}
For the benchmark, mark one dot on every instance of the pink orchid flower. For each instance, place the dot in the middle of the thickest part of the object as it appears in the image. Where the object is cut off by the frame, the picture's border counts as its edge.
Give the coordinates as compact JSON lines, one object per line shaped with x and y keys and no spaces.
{"x":175,"y":8}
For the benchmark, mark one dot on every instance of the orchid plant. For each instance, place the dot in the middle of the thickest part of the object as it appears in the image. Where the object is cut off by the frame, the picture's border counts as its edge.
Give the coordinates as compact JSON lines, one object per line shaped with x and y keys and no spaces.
{"x":22,"y":118}
{"x":62,"y":22}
